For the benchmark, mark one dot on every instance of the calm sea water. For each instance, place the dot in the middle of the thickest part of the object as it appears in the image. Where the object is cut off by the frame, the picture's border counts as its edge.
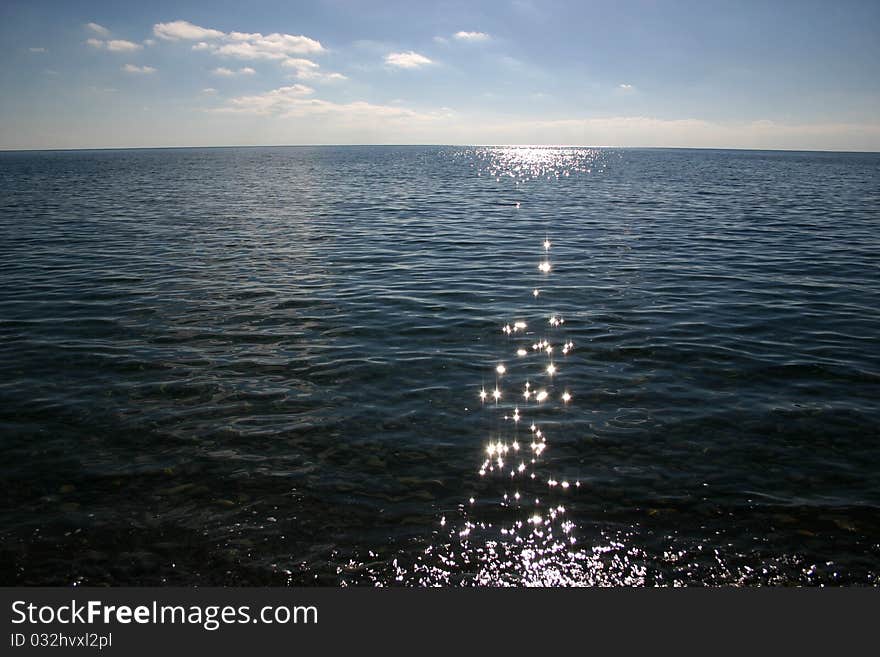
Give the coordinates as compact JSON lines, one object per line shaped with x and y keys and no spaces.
{"x":264,"y":366}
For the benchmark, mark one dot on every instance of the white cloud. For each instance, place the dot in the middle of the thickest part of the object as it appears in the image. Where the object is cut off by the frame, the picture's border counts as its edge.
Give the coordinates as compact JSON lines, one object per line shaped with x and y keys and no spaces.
{"x":209,"y":91}
{"x":224,"y":72}
{"x":98,"y":29}
{"x":270,"y":102}
{"x":306,"y":69}
{"x":176,"y":30}
{"x":114,"y":45}
{"x":149,"y":42}
{"x":294,"y":102}
{"x":121,"y":45}
{"x":303,"y":67}
{"x":270,"y":46}
{"x":408,"y":59}
{"x":317,"y":76}
{"x":240,"y":45}
{"x":38,"y":50}
{"x":471,"y":36}
{"x":358,"y":111}
{"x":131,"y":68}
{"x":626,"y":87}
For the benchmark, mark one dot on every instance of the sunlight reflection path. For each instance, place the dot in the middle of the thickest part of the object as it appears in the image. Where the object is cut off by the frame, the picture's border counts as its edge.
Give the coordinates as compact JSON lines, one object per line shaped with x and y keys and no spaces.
{"x":513,"y":527}
{"x":517,"y":532}
{"x":531,"y":518}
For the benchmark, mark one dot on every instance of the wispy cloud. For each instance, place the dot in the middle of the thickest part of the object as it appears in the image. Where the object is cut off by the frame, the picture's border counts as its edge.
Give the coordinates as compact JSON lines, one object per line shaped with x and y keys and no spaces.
{"x":471,"y":36}
{"x":240,"y":45}
{"x":121,"y":45}
{"x":270,"y":102}
{"x":114,"y":45}
{"x":98,"y":29}
{"x":626,"y":87}
{"x":209,"y":91}
{"x":141,"y":70}
{"x":176,"y":30}
{"x":361,"y":111}
{"x":408,"y":59}
{"x":303,"y":67}
{"x":306,"y":69}
{"x":286,"y":49}
{"x":224,"y":72}
{"x":295,"y":101}
{"x":38,"y":50}
{"x":271,"y":46}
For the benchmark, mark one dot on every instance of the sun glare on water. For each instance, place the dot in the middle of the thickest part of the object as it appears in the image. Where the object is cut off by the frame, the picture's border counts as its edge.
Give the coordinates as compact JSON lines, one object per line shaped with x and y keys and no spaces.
{"x":513,"y":526}
{"x":532,"y":526}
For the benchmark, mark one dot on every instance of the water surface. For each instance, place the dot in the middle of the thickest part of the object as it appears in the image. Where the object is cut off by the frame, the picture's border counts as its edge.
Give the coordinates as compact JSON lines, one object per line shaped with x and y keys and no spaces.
{"x":263,"y":366}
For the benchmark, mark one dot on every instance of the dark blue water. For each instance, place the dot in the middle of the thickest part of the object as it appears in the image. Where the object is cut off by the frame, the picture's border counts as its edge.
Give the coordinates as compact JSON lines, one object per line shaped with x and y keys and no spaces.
{"x":263,"y":366}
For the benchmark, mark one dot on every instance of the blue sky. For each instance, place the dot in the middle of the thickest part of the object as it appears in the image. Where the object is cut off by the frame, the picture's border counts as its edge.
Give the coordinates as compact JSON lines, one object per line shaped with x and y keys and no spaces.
{"x":775,"y":74}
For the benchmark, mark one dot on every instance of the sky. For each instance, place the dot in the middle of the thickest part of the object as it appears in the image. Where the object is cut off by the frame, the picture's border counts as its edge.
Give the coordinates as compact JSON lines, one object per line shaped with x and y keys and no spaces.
{"x":799,"y":75}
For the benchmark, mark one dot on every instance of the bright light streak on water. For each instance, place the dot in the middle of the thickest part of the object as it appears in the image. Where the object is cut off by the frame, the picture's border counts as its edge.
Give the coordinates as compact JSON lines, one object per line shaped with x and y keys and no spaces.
{"x":532,"y":531}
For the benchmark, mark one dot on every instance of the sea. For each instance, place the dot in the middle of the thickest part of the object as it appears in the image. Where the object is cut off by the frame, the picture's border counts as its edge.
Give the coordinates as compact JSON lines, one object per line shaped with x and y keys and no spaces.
{"x":439,"y":365}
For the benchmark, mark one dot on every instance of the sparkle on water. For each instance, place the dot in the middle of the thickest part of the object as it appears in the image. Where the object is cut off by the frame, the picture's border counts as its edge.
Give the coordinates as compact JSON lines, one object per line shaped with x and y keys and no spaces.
{"x":518,"y":534}
{"x":514,"y":525}
{"x":535,"y":542}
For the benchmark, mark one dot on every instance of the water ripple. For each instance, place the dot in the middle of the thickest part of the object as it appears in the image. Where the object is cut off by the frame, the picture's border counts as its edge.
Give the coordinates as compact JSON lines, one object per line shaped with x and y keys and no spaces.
{"x":261,"y":366}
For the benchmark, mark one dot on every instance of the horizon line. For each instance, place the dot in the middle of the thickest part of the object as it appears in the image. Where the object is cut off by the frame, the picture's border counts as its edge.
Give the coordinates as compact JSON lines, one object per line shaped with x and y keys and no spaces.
{"x":426,"y":145}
